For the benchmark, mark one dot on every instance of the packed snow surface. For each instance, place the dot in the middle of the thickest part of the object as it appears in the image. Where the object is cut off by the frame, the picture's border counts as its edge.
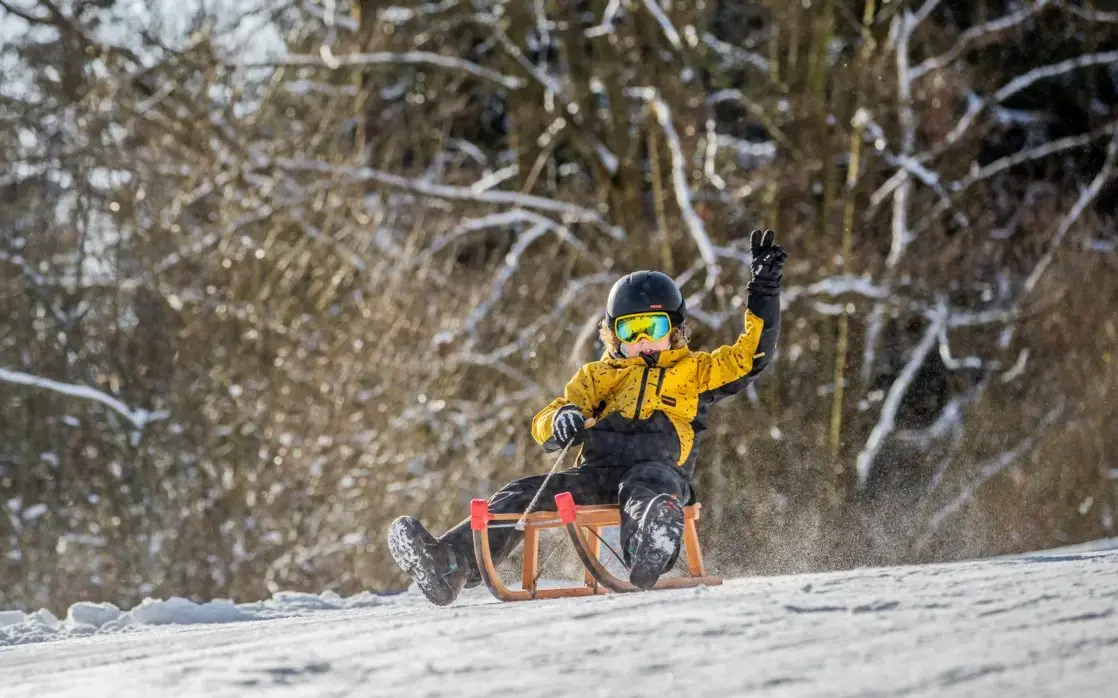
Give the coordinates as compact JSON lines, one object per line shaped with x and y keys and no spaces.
{"x":1036,"y":625}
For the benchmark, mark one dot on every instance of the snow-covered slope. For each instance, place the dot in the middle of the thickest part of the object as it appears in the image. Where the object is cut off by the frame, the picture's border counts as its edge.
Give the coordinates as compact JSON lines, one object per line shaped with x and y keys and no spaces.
{"x":1039,"y":625}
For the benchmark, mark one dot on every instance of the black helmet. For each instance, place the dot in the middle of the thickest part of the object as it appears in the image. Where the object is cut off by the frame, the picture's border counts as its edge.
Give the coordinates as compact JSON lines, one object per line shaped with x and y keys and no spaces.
{"x":646,"y":291}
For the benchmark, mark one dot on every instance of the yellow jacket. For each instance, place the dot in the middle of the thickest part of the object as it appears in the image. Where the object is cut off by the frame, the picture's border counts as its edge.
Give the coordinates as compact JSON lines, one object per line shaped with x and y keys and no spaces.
{"x":653,"y":409}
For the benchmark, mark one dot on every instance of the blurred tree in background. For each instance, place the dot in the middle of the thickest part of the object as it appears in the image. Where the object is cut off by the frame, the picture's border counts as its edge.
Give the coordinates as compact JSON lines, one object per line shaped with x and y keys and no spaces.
{"x":274,"y":273}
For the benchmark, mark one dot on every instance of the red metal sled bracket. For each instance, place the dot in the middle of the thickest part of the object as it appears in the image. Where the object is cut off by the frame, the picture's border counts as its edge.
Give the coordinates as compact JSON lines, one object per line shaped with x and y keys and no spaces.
{"x":479,"y":514}
{"x":565,"y":505}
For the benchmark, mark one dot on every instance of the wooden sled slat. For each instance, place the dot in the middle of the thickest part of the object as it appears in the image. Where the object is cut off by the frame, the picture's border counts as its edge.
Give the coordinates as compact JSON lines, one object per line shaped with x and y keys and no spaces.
{"x":575,"y":519}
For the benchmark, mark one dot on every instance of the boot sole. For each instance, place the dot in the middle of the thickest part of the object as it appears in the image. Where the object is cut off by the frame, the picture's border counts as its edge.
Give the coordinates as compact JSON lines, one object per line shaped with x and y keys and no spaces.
{"x":408,"y":547}
{"x":657,"y":544}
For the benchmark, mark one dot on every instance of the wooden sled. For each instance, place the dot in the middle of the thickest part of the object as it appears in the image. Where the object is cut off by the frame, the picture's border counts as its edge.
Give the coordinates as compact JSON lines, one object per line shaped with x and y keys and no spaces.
{"x":583,"y":525}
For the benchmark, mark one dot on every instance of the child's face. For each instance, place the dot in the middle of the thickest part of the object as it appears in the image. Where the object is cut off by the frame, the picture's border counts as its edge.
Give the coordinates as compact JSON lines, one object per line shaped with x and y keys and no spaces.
{"x":646,"y":346}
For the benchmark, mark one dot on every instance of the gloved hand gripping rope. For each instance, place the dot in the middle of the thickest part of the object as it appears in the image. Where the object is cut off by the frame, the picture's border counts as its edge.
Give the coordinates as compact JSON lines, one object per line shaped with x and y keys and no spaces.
{"x":569,"y":426}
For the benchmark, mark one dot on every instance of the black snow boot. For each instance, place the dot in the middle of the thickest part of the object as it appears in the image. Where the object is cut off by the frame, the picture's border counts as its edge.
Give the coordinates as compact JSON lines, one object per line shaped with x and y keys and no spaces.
{"x":432,"y":564}
{"x":654,"y":544}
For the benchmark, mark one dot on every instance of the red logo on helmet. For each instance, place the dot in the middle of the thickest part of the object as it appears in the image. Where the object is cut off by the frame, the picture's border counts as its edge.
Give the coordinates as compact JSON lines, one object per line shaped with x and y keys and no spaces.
{"x":656,"y":307}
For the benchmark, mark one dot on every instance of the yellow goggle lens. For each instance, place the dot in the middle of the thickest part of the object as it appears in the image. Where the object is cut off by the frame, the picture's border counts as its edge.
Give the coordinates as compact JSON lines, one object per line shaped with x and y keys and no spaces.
{"x":654,"y":326}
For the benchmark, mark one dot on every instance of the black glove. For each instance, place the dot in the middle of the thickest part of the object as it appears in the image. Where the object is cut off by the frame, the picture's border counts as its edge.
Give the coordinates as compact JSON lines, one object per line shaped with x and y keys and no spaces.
{"x":768,"y":263}
{"x":567,"y":424}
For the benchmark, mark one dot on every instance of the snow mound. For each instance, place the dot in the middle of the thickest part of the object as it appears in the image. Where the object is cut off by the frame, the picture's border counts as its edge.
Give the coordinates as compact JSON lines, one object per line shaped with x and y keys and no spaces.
{"x":84,"y":619}
{"x":180,"y":611}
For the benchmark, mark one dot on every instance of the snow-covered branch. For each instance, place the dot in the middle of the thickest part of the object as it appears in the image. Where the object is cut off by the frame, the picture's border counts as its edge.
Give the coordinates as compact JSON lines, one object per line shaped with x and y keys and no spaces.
{"x":906,"y":166}
{"x":977,"y":105}
{"x":1044,"y":72}
{"x":948,"y":423}
{"x":885,"y":191}
{"x":494,"y":24}
{"x":573,"y":291}
{"x":735,"y":95}
{"x":398,"y":14}
{"x":510,"y":218}
{"x":979,"y":174}
{"x":680,"y":177}
{"x":1104,"y":246}
{"x":1034,"y":153}
{"x":835,"y":286}
{"x":973,"y":35}
{"x":666,"y":25}
{"x":918,"y":18}
{"x":137,"y":416}
{"x":511,"y":265}
{"x":1086,"y":197}
{"x":954,"y":364}
{"x":329,"y":16}
{"x":735,"y":55}
{"x":888,"y":418}
{"x":570,"y":212}
{"x":492,"y":220}
{"x":1092,"y":15}
{"x":748,"y":154}
{"x":901,"y":233}
{"x":494,"y":178}
{"x":606,"y":25}
{"x":981,"y":317}
{"x":1017,"y":369}
{"x":391,"y":58}
{"x":486,"y":359}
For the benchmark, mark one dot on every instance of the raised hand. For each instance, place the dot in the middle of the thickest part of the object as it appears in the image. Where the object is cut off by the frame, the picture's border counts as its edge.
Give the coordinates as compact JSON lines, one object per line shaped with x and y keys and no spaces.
{"x":768,"y":262}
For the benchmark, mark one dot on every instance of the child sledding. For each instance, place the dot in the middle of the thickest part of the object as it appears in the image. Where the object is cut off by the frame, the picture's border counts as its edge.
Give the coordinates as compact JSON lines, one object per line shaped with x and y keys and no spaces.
{"x":645,"y":403}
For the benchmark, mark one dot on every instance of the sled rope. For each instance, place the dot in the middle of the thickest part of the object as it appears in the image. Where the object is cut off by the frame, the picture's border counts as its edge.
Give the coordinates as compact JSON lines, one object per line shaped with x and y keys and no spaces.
{"x":542,"y":487}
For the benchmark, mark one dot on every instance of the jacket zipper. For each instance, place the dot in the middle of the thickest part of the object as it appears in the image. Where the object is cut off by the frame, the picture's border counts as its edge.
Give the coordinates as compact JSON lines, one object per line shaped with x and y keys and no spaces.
{"x":660,"y":381}
{"x":640,"y":395}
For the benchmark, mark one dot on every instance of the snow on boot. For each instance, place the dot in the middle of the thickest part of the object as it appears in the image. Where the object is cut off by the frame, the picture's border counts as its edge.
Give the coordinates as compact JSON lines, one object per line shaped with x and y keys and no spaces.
{"x":431,"y":563}
{"x":654,"y":543}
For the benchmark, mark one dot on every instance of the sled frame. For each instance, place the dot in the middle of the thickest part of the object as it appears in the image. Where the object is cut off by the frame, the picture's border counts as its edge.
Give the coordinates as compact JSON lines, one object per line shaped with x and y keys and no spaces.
{"x":583,"y":525}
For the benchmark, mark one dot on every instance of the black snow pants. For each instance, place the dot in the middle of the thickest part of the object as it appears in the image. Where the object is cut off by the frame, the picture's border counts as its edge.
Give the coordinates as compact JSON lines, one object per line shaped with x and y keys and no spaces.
{"x":630,"y":487}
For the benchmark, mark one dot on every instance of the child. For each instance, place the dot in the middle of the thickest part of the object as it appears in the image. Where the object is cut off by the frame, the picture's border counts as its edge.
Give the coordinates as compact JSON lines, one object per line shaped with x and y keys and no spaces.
{"x":649,"y":397}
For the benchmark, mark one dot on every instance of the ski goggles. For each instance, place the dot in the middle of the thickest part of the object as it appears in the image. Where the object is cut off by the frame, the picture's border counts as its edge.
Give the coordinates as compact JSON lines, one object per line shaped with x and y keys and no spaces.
{"x":652,"y":326}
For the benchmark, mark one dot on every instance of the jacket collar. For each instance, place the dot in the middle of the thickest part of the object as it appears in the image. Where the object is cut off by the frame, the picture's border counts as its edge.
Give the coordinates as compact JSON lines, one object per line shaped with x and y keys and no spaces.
{"x":664,"y":359}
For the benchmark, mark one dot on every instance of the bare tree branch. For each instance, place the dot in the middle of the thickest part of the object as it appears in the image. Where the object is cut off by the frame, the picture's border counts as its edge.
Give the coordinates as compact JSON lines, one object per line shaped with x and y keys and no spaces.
{"x":137,"y":416}
{"x":922,"y":14}
{"x":1090,"y":15}
{"x":888,"y":419}
{"x":1002,"y":164}
{"x":973,"y":35}
{"x":735,"y":55}
{"x":1019,"y":83}
{"x":570,"y":212}
{"x":606,"y":25}
{"x":680,"y":176}
{"x":493,"y":23}
{"x":1088,"y":195}
{"x":954,"y":364}
{"x":390,"y":58}
{"x":1035,"y":153}
{"x":901,"y":233}
{"x":835,"y":286}
{"x":666,"y":25}
{"x":399,"y":15}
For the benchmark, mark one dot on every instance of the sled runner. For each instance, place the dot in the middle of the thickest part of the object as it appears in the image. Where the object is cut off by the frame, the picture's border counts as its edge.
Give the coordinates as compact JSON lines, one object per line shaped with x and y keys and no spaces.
{"x":583,"y":525}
